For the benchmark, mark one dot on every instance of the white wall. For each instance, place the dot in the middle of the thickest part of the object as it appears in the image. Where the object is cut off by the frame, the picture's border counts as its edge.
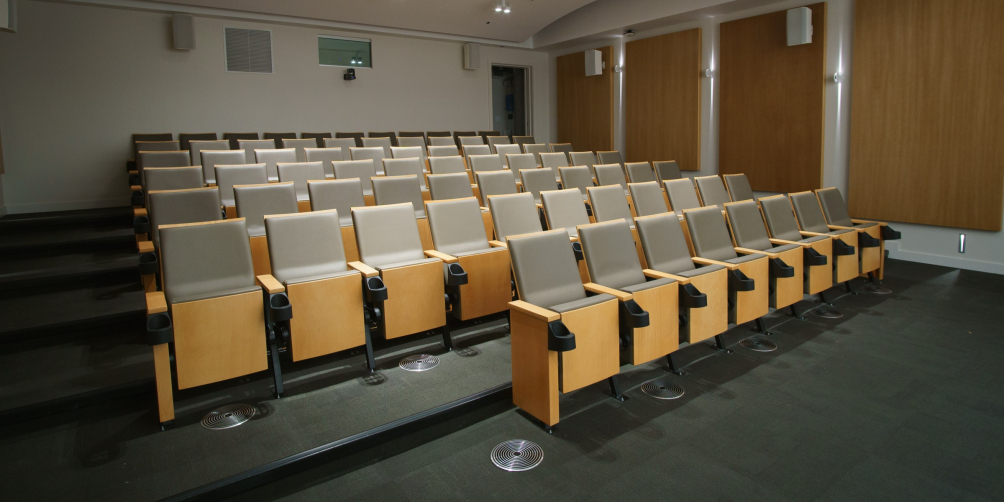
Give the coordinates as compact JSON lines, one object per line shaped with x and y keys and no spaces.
{"x":78,"y":80}
{"x":3,"y":202}
{"x":921,"y":243}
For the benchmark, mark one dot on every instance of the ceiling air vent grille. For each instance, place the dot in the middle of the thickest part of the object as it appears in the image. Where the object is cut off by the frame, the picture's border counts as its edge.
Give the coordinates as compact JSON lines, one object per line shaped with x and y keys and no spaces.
{"x":248,"y":51}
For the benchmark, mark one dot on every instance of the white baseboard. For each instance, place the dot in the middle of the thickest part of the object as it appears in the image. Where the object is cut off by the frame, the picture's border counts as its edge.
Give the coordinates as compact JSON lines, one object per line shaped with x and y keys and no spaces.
{"x":946,"y":261}
{"x":43,"y":207}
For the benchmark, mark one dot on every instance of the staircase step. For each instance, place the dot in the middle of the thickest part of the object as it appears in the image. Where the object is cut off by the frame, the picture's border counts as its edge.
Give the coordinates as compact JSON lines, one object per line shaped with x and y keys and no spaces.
{"x":33,"y":271}
{"x":47,"y":312}
{"x":66,"y":240}
{"x":121,"y":216}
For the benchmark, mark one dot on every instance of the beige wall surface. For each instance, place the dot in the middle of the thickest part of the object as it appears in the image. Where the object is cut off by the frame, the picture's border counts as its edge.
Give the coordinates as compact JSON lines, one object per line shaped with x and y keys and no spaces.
{"x":78,"y":80}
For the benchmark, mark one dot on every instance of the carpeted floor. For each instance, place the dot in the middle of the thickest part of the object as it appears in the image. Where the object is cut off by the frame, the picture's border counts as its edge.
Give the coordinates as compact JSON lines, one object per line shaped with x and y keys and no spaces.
{"x":898,"y":400}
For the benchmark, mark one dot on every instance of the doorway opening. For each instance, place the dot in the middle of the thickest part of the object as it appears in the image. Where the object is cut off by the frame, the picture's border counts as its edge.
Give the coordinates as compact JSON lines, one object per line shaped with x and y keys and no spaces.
{"x":510,"y":100}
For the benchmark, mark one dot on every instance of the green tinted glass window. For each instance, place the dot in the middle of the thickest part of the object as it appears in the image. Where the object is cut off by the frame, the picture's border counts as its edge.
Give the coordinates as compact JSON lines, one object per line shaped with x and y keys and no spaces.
{"x":343,"y":52}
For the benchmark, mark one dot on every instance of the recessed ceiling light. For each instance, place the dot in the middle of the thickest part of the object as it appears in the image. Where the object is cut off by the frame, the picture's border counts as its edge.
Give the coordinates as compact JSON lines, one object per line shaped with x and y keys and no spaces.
{"x":505,"y":6}
{"x":498,"y":5}
{"x":629,"y":33}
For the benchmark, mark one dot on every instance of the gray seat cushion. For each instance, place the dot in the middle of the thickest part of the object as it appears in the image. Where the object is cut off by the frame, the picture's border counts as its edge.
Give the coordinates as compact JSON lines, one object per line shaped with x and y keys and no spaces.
{"x":647,"y":285}
{"x":744,"y":259}
{"x":786,"y":247}
{"x":409,"y":263}
{"x":865,"y":225}
{"x":707,"y":269}
{"x":840,"y":231}
{"x":589,"y":301}
{"x":815,"y":238}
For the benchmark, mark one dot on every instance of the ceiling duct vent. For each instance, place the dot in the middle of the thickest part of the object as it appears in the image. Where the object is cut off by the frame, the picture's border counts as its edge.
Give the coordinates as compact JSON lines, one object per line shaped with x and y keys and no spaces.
{"x":248,"y":51}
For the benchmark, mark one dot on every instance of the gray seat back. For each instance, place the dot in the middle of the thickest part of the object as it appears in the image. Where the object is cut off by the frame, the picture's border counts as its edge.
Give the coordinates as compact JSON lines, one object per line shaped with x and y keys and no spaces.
{"x":376,"y":154}
{"x":305,"y":246}
{"x":470,"y":140}
{"x":810,"y":215}
{"x":834,"y":208}
{"x":272,"y":157}
{"x":609,"y":157}
{"x":450,"y":186}
{"x":356,"y":137}
{"x":384,"y":143}
{"x":495,"y":183}
{"x":514,"y":215}
{"x":564,"y":209}
{"x":536,"y":149}
{"x":410,"y":148}
{"x":577,"y":177}
{"x":667,"y":170}
{"x":364,"y":170}
{"x":477,"y":150}
{"x":186,"y":138}
{"x":318,"y":138}
{"x":522,"y":140}
{"x":545,"y":269}
{"x":681,"y":194}
{"x":397,"y":189}
{"x":443,"y":141}
{"x":325,"y":156}
{"x":206,"y":260}
{"x":565,"y":148}
{"x":748,"y":227}
{"x":255,"y":201}
{"x":228,"y":176}
{"x":171,"y":207}
{"x":609,"y":203}
{"x":172,"y":178}
{"x":739,"y":187}
{"x":484,"y":163}
{"x":554,"y":161}
{"x":387,"y":234}
{"x":343,"y":143}
{"x":538,"y":180}
{"x":300,"y":173}
{"x":341,"y":195}
{"x":664,"y":244}
{"x":278,"y":137}
{"x":712,"y":191}
{"x":520,"y":161}
{"x":639,"y":172}
{"x":709,"y":235}
{"x":404,"y":167}
{"x":213,"y":158}
{"x":299,"y":146}
{"x":587,"y":159}
{"x":447,"y":165}
{"x":780,"y":218}
{"x":196,"y":148}
{"x":610,"y":254}
{"x":504,"y":151}
{"x":495,"y":141}
{"x":178,"y":158}
{"x":250,"y":145}
{"x":647,"y":198}
{"x":167,"y":145}
{"x":449,"y":150}
{"x":457,"y":226}
{"x":610,"y":174}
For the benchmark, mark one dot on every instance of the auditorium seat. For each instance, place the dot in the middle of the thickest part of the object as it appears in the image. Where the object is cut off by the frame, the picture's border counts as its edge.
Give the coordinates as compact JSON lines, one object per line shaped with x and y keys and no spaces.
{"x":450,"y":186}
{"x":442,"y":141}
{"x":273,"y":157}
{"x":835,"y":211}
{"x":150,"y":137}
{"x":495,"y":141}
{"x":486,"y":134}
{"x":444,"y":151}
{"x":786,"y":266}
{"x":390,"y":135}
{"x":704,"y":291}
{"x":609,"y":157}
{"x":554,"y":161}
{"x":212,"y":158}
{"x":356,"y":136}
{"x":610,"y":174}
{"x":363,"y":170}
{"x":712,"y":191}
{"x":381,"y":142}
{"x":325,"y":156}
{"x":253,"y":203}
{"x":438,"y":134}
{"x":156,"y":146}
{"x":649,"y":303}
{"x":739,"y":187}
{"x":299,"y":173}
{"x":470,"y":141}
{"x":681,"y":195}
{"x":818,"y":251}
{"x":748,"y":272}
{"x":576,"y":177}
{"x":484,"y":163}
{"x":343,"y":143}
{"x":185,"y":138}
{"x":447,"y":165}
{"x":639,"y":172}
{"x":608,"y":203}
{"x":555,"y":313}
{"x":460,"y":134}
{"x":535,"y":181}
{"x":235,"y":137}
{"x":197,"y":146}
{"x":512,"y":215}
{"x":410,"y":134}
{"x":587,"y":159}
{"x":299,"y":145}
{"x":341,"y":195}
{"x":410,"y":147}
{"x":458,"y":234}
{"x":250,"y":145}
{"x":318,"y":138}
{"x":667,"y":170}
{"x":391,"y":249}
{"x":390,"y":190}
{"x":647,"y":198}
{"x":169,"y":207}
{"x":565,"y":148}
{"x":308,"y":264}
{"x":504,"y":151}
{"x":210,"y":311}
{"x":472,"y":150}
{"x":520,"y":161}
{"x":404,"y":167}
{"x":160,"y":179}
{"x":564,"y":209}
{"x":812,"y":223}
{"x":522,"y":140}
{"x":495,"y":183}
{"x":376,"y":154}
{"x":536,"y":149}
{"x":229,"y":176}
{"x":278,"y":137}
{"x":177,"y":158}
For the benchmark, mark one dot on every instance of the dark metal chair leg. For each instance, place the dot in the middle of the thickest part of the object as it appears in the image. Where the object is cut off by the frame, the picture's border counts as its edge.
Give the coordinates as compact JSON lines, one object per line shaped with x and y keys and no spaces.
{"x":761,"y":328}
{"x":447,"y":340}
{"x":672,"y":365}
{"x":795,"y":313}
{"x":720,"y":345}
{"x":370,"y":361}
{"x":615,"y":388}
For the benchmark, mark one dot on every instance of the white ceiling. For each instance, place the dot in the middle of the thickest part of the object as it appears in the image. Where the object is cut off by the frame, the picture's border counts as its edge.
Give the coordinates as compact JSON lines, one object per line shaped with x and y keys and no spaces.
{"x":467,"y":18}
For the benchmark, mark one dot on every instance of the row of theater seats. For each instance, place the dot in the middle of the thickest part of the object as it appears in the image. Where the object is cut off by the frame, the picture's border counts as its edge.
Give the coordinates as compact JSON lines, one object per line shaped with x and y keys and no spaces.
{"x":732,"y":265}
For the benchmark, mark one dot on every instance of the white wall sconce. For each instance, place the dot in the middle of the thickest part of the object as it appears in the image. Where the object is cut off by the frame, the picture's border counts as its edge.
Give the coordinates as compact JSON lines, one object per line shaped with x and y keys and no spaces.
{"x":709,"y":73}
{"x":838,"y":77}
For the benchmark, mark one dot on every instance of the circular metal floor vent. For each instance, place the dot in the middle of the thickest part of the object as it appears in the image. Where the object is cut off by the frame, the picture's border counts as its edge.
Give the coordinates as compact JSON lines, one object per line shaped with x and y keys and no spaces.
{"x":467,"y":352}
{"x":517,"y":455}
{"x":228,"y":416}
{"x":875,"y":289}
{"x":758,"y":344}
{"x":827,"y":313}
{"x":419,"y":362}
{"x":662,"y":389}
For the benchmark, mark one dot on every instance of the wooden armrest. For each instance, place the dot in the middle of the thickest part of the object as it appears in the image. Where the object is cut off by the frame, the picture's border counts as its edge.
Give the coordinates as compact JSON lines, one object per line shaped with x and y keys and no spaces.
{"x":484,"y":209}
{"x":813,"y":234}
{"x":155,"y":302}
{"x":497,"y":244}
{"x":432,"y":253}
{"x":138,"y":211}
{"x":134,"y":171}
{"x":592,"y":287}
{"x":782,"y":242}
{"x":857,"y":221}
{"x":136,"y":188}
{"x":655,"y":274}
{"x":270,"y":284}
{"x":705,"y":261}
{"x":144,"y":246}
{"x":363,"y":268}
{"x":837,"y":227}
{"x":534,"y":311}
{"x":754,"y":251}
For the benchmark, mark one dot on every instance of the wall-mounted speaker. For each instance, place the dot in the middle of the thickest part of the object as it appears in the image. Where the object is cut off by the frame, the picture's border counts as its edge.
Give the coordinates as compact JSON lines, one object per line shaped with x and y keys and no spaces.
{"x":8,"y":15}
{"x":183,"y":28}
{"x":594,"y":63}
{"x":472,"y":56}
{"x":799,"y":26}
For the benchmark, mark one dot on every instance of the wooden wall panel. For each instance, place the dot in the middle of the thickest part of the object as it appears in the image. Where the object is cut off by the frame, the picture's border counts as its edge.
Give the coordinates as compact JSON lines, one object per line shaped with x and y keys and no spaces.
{"x":585,"y":104}
{"x":662,"y":99}
{"x":927,"y":121}
{"x":772,"y":102}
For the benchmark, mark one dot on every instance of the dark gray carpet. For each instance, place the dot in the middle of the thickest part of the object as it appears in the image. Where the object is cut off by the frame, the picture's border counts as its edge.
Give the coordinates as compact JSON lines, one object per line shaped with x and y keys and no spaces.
{"x":899,"y":400}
